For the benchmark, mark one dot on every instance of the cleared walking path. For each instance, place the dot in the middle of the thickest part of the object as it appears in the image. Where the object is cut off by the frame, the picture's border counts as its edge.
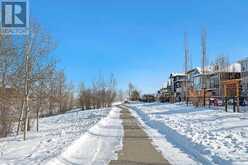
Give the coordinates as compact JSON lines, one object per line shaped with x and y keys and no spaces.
{"x":137,"y":147}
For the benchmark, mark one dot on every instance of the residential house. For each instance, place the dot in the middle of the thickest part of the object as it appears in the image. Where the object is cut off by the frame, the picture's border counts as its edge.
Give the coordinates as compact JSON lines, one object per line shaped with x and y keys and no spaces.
{"x":148,"y":98}
{"x":178,"y":84}
{"x":216,"y":79}
{"x":244,"y":77}
{"x":195,"y":81}
{"x":164,"y":94}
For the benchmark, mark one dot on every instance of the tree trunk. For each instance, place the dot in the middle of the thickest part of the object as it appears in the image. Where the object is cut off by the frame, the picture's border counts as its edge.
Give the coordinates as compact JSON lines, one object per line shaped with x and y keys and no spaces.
{"x":26,"y":117}
{"x":20,"y":119}
{"x":37,"y":119}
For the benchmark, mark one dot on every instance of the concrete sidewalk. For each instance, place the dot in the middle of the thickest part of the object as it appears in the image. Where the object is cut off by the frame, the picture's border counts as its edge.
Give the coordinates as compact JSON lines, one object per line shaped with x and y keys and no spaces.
{"x":137,"y":147}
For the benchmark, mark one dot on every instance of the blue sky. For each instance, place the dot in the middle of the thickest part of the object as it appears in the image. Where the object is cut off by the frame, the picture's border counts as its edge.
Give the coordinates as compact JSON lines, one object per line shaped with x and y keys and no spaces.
{"x":140,"y":40}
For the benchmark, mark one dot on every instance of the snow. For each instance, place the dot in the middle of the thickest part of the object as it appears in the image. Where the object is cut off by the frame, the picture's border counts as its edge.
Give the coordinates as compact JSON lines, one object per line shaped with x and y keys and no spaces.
{"x":235,"y":67}
{"x":186,"y":135}
{"x":59,"y":135}
{"x":177,"y":74}
{"x":98,"y":146}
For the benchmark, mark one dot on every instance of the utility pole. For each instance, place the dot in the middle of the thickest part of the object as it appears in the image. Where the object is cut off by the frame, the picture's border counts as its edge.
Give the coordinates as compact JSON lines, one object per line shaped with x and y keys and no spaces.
{"x":204,"y":62}
{"x":186,"y":63}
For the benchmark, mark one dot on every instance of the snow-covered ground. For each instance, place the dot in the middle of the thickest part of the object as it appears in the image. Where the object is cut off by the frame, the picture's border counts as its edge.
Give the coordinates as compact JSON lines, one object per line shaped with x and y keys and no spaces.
{"x":76,"y":133}
{"x":96,"y":147}
{"x":186,"y":135}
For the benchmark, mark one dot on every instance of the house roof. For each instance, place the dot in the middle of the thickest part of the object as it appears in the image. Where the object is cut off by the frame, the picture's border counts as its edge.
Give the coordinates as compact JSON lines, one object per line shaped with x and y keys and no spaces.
{"x":243,"y":60}
{"x":199,"y":70}
{"x":235,"y":67}
{"x":177,"y":74}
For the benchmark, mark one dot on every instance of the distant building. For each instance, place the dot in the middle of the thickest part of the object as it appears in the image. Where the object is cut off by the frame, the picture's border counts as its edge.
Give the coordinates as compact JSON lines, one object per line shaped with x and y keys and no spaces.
{"x":212,"y":80}
{"x":148,"y":98}
{"x":191,"y":74}
{"x":177,"y":81}
{"x":216,"y":87}
{"x":216,"y":79}
{"x":165,"y":93}
{"x":195,"y":81}
{"x":244,"y":77}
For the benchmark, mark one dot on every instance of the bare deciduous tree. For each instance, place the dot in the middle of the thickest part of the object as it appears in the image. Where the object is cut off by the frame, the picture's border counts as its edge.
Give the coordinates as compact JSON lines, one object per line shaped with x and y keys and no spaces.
{"x":101,"y":94}
{"x":30,"y":84}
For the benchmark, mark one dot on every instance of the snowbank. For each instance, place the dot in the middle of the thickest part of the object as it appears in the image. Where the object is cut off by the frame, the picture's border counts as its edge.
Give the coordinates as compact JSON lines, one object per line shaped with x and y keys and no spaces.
{"x":98,"y":146}
{"x":56,"y":133}
{"x":206,"y":136}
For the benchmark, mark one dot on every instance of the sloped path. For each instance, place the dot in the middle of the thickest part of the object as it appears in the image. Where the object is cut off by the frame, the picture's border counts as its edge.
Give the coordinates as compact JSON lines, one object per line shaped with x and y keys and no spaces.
{"x":137,"y":147}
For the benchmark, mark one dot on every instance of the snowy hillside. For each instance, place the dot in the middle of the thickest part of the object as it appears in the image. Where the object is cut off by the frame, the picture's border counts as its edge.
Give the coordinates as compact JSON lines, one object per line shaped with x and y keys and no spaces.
{"x":98,"y":146}
{"x":58,"y":134}
{"x":206,"y":136}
